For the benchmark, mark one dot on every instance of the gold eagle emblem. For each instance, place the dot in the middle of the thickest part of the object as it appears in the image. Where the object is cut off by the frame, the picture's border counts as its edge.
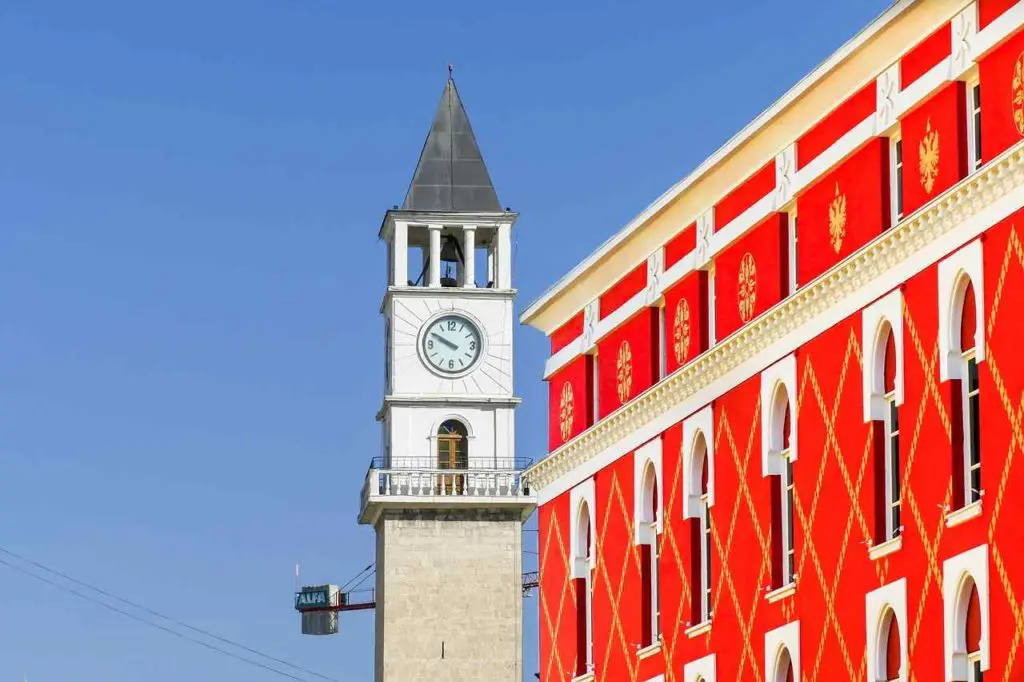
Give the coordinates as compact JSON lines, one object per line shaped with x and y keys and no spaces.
{"x":566,"y":411}
{"x":624,"y":372}
{"x":928,"y":161}
{"x":1017,"y":94}
{"x":681,"y":331}
{"x":746,"y":289}
{"x":837,"y":220}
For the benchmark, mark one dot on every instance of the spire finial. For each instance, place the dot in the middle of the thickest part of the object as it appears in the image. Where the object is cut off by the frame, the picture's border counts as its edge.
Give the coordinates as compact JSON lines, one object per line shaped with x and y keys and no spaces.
{"x":451,"y":67}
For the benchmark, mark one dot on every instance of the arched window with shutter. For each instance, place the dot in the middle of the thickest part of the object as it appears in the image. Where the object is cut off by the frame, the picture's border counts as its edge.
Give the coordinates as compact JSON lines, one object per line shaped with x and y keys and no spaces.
{"x":583,"y":589}
{"x":783,"y":493}
{"x":967,"y":402}
{"x":649,"y":552}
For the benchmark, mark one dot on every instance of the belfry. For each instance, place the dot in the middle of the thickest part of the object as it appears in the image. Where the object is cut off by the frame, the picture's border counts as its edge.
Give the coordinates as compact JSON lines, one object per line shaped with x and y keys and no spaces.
{"x":445,"y":495}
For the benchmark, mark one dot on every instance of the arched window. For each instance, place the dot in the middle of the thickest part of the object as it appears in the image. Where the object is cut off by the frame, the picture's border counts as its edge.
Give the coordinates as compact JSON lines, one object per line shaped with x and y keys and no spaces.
{"x":783,"y":667}
{"x":700,"y":582}
{"x":452,"y":453}
{"x":890,"y":655}
{"x":582,"y":587}
{"x":887,"y":442}
{"x":783,"y":492}
{"x":968,"y":636}
{"x":649,"y":552}
{"x":966,"y":401}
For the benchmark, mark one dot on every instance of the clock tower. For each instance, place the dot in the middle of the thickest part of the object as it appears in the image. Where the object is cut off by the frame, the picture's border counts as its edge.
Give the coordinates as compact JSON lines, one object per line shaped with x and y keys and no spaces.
{"x":445,"y":495}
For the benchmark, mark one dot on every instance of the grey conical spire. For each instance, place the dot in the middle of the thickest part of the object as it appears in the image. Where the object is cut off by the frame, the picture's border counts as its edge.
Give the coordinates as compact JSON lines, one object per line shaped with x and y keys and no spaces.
{"x":451,"y":175}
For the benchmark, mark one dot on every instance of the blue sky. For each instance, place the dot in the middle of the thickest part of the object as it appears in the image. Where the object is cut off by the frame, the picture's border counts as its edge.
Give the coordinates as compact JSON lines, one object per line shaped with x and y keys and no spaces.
{"x":190,"y":345}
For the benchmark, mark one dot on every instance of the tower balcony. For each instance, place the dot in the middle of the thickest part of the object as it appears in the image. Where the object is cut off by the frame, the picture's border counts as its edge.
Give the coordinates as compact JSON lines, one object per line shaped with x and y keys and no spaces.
{"x":419,"y":483}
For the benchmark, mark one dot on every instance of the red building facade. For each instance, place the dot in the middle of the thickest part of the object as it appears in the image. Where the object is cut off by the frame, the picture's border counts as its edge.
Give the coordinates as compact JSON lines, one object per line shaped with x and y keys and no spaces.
{"x":786,"y":412}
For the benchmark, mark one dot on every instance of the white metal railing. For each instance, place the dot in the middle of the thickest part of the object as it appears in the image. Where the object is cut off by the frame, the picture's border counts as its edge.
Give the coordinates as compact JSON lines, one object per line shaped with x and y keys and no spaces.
{"x":435,"y":483}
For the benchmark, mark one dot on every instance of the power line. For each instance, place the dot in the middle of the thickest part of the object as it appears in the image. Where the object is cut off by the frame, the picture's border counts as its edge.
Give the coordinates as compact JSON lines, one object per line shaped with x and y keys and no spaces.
{"x":369,"y":567}
{"x":140,"y":607}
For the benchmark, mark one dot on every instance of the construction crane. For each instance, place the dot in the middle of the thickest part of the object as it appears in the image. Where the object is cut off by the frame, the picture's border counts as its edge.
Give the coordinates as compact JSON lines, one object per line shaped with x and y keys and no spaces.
{"x":319,"y":605}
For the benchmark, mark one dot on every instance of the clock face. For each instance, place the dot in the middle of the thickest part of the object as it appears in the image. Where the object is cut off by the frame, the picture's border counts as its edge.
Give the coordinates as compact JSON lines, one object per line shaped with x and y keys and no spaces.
{"x":451,"y":344}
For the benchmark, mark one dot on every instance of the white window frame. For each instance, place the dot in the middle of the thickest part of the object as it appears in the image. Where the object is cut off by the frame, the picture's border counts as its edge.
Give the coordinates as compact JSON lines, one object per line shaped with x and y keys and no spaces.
{"x":877,"y":603}
{"x":966,"y":265}
{"x":712,"y":332}
{"x":698,"y":428}
{"x":662,"y":343}
{"x":896,"y":199}
{"x":648,"y":458}
{"x":788,"y":494}
{"x":584,"y":493}
{"x":968,"y":261}
{"x":974,"y":130}
{"x":705,"y":564}
{"x":972,"y":495}
{"x":786,"y":637}
{"x":782,"y":373}
{"x":794,"y":237}
{"x":699,"y":424}
{"x":884,"y":316}
{"x":583,"y":566}
{"x":893,"y":497}
{"x":647,"y":455}
{"x":973,"y":564}
{"x":887,"y":310}
{"x":701,"y":670}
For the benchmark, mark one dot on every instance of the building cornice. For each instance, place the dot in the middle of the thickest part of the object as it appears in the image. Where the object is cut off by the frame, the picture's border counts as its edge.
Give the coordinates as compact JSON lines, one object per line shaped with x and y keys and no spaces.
{"x":952,"y":219}
{"x":847,"y":70}
{"x":444,"y":218}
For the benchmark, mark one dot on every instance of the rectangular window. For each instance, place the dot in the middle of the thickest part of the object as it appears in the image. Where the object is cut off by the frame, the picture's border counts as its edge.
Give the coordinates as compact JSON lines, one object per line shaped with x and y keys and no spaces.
{"x":789,"y":550}
{"x":655,"y":601}
{"x":974,"y":126}
{"x":711,"y":307}
{"x":662,"y":343}
{"x":892,"y":470}
{"x":896,"y":147}
{"x":974,"y":665}
{"x":705,"y":569}
{"x":792,"y":252}
{"x":972,"y":442}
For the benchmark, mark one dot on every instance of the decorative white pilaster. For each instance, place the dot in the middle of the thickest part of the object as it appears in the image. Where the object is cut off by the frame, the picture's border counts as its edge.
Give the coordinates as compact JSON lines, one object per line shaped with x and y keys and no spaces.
{"x":469,"y":253}
{"x":435,"y":255}
{"x":504,"y":256}
{"x":400,"y":254}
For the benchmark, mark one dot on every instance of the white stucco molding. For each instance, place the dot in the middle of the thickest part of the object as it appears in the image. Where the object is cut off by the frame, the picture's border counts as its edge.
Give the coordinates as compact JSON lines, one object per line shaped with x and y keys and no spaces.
{"x":887,"y":89}
{"x":887,"y":310}
{"x":591,"y":315}
{"x":701,"y":670}
{"x":968,"y":45}
{"x":705,"y":232}
{"x":655,"y":271}
{"x":781,"y":375}
{"x":939,"y":228}
{"x":700,"y":424}
{"x":877,"y":603}
{"x":967,"y":262}
{"x":921,"y":89}
{"x":973,"y":565}
{"x":786,"y":637}
{"x":785,"y":176}
{"x":648,"y":455}
{"x":963,"y":35}
{"x":1002,"y":27}
{"x":584,"y":493}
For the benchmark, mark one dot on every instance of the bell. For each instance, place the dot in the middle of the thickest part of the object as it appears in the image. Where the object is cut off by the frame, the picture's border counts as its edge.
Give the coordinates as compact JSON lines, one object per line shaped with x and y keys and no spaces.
{"x":451,"y":251}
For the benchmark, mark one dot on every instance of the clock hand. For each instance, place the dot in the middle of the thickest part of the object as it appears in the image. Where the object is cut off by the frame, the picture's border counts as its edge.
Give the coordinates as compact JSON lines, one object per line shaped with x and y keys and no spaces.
{"x":445,"y":341}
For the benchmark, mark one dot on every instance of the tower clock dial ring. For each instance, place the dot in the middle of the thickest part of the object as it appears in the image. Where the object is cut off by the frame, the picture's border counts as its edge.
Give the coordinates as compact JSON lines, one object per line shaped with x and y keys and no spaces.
{"x":451,"y":344}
